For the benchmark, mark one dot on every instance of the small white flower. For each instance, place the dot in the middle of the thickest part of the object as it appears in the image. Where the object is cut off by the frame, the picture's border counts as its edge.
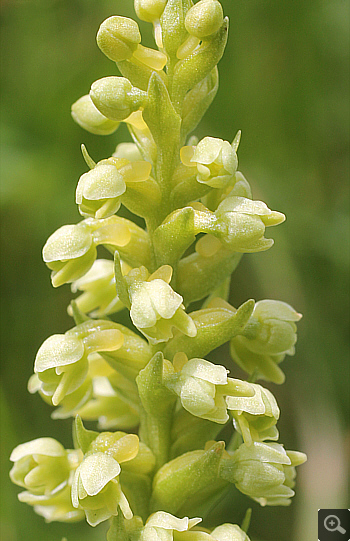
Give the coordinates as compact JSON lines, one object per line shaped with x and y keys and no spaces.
{"x":96,"y":489}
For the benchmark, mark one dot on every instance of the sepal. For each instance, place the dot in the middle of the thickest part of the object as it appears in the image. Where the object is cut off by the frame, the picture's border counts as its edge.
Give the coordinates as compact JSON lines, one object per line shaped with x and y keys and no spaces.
{"x":53,"y":508}
{"x":82,"y":435}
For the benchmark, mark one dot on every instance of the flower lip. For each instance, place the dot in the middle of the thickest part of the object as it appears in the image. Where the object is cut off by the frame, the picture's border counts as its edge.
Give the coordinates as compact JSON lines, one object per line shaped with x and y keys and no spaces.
{"x":68,"y":242}
{"x":102,"y":182}
{"x":58,"y":350}
{"x":95,"y":472}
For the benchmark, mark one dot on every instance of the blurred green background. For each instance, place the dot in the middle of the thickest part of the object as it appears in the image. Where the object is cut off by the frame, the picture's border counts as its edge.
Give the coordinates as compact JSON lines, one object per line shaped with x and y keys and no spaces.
{"x":284,"y":83}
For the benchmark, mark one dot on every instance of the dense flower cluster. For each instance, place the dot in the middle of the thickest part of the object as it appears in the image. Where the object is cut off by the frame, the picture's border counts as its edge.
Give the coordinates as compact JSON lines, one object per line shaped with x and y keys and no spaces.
{"x":155,"y":380}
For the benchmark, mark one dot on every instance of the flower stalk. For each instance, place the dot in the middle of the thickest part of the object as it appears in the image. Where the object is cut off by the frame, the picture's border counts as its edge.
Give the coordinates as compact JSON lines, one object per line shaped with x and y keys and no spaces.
{"x":151,"y":382}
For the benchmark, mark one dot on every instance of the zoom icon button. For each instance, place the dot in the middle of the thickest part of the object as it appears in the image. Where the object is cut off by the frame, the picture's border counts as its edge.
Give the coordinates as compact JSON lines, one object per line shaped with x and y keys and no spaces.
{"x":333,"y":524}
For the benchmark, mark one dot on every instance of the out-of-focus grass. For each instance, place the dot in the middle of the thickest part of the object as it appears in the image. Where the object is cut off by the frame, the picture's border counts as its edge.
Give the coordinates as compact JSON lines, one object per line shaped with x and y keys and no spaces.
{"x":284,"y":83}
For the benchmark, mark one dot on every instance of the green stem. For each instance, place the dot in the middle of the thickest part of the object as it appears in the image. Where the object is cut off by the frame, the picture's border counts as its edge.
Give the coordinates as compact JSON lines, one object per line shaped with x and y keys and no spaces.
{"x":235,"y":442}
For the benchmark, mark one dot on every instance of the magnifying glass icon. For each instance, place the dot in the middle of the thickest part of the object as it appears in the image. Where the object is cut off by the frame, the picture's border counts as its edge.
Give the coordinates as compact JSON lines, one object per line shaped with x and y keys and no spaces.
{"x":332,"y":524}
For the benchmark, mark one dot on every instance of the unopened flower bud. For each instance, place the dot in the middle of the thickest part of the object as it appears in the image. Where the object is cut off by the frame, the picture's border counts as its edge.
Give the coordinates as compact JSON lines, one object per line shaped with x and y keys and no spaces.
{"x":128,"y":151}
{"x":229,"y":532}
{"x":149,"y":10}
{"x":118,"y":38}
{"x":204,"y":18}
{"x":89,"y":117}
{"x":116,"y":98}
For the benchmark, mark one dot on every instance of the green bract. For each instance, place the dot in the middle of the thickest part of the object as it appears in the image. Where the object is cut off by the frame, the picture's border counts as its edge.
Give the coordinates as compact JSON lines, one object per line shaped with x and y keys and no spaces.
{"x":191,"y":216}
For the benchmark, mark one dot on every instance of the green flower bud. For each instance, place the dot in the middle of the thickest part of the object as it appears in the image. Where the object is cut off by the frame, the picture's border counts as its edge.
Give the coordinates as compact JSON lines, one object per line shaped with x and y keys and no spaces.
{"x":229,"y":532}
{"x":99,"y":297}
{"x":162,"y":526}
{"x":41,"y":466}
{"x":262,"y":472}
{"x":269,"y":336}
{"x":155,"y":307}
{"x":128,"y":151}
{"x":204,"y":18}
{"x":243,"y":223}
{"x":69,"y":253}
{"x":149,"y":10}
{"x":88,"y":117}
{"x":85,"y":114}
{"x":116,"y":98}
{"x":96,"y":489}
{"x":56,"y":507}
{"x":118,"y":38}
{"x":255,"y":417}
{"x":214,"y":160}
{"x":62,"y":361}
